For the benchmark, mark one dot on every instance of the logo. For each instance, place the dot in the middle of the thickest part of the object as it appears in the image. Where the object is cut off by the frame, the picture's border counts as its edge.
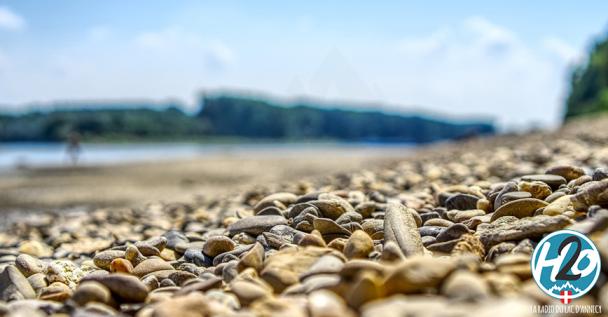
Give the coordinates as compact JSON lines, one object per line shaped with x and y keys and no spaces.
{"x":565,"y":265}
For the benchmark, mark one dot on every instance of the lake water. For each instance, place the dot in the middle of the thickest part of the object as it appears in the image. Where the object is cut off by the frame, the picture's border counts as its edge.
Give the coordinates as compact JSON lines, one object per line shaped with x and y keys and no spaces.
{"x":13,"y":155}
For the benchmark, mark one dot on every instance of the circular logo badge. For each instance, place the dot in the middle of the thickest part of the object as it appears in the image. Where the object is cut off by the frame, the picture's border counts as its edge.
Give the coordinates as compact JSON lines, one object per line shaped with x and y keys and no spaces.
{"x":565,"y":265}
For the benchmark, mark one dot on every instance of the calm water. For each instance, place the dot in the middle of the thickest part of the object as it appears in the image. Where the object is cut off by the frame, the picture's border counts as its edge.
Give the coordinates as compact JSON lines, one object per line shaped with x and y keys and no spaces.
{"x":13,"y":155}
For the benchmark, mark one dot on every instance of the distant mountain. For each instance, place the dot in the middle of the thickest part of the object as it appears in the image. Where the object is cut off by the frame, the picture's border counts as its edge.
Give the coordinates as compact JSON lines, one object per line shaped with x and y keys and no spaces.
{"x":232,"y":116}
{"x":227,"y":115}
{"x":589,"y":84}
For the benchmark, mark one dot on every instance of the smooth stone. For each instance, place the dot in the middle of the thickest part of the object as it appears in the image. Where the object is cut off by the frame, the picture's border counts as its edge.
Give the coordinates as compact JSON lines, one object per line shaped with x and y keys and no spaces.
{"x":521,"y":208}
{"x":329,"y":227}
{"x":197,"y":257}
{"x":37,"y":281}
{"x":151,"y":265}
{"x":29,"y":265}
{"x":283,"y":268}
{"x":559,"y":206}
{"x":366,"y":208}
{"x":175,"y":240}
{"x":133,"y":254}
{"x":253,"y":258}
{"x":91,"y":291}
{"x":429,"y":215}
{"x":284,"y":199}
{"x":431,"y":231}
{"x":181,"y":277}
{"x":14,"y":286}
{"x":418,"y":273}
{"x":438,"y":222}
{"x":312,"y":239}
{"x":374,"y":227}
{"x":57,"y":292}
{"x":464,"y":215}
{"x":248,"y":292}
{"x":464,"y":285}
{"x":348,"y":217}
{"x":552,"y":180}
{"x":553,"y":197}
{"x":128,"y":288}
{"x":359,"y":245}
{"x":461,"y":202}
{"x":217,"y":245}
{"x":568,"y":172}
{"x":452,"y":232}
{"x":510,"y":228}
{"x":256,"y":225}
{"x":511,"y":196}
{"x":202,"y":286}
{"x":400,"y":227}
{"x":333,"y":207}
{"x":366,"y":288}
{"x":194,"y":304}
{"x":327,"y":264}
{"x":103,"y":259}
{"x":324,"y":303}
{"x":121,"y":265}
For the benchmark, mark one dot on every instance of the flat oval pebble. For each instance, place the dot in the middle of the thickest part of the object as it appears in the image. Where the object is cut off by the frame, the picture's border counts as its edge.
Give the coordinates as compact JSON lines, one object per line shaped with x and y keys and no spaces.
{"x":151,"y":265}
{"x":552,"y":180}
{"x":256,"y":225}
{"x":520,"y":208}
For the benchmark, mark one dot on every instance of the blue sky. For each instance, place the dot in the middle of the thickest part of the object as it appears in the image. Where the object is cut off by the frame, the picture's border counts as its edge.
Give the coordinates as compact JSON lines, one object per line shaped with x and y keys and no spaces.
{"x":508,"y":60}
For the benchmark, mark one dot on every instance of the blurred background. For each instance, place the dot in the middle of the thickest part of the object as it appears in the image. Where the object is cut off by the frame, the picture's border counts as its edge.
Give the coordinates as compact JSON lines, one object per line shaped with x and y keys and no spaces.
{"x":114,"y":102}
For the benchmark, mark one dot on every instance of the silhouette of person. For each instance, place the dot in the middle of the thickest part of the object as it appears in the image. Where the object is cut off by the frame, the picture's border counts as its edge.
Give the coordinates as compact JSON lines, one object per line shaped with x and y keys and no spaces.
{"x":73,"y":149}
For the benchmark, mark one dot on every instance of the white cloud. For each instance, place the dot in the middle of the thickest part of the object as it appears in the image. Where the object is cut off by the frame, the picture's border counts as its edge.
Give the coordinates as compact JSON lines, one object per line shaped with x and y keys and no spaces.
{"x":563,"y":50}
{"x":478,"y":67}
{"x":10,"y":20}
{"x":174,"y":40}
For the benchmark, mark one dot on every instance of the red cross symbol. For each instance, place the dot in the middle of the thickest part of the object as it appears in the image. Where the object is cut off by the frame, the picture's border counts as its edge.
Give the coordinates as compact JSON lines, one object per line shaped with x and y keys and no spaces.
{"x":565,"y":297}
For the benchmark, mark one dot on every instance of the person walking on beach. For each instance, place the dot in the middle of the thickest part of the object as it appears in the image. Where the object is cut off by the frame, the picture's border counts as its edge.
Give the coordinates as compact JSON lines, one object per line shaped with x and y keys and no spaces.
{"x":73,"y":148}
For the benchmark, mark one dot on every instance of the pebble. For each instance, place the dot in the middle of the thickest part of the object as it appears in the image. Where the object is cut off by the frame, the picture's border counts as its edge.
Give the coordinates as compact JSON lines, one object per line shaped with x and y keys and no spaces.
{"x":359,"y":245}
{"x":552,"y":180}
{"x":520,"y":208}
{"x":452,"y":232}
{"x":126,"y":287}
{"x":29,"y":265}
{"x":217,"y":245}
{"x":151,"y":265}
{"x":510,"y":228}
{"x":400,"y":227}
{"x":418,"y":273}
{"x":256,"y":225}
{"x":91,"y":291}
{"x":104,"y":259}
{"x":558,"y":206}
{"x":568,"y":172}
{"x":14,"y":286}
{"x":464,"y":285}
{"x":461,"y":202}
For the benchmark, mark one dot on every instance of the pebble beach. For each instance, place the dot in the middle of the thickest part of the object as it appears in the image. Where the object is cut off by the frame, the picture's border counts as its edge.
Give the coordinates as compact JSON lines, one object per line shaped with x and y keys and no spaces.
{"x":447,"y":231}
